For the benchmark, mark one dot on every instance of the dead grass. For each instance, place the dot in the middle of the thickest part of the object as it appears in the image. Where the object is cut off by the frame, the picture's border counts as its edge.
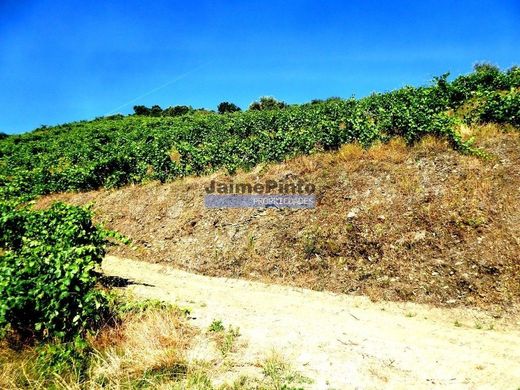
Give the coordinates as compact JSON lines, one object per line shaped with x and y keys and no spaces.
{"x":151,"y":343}
{"x":150,"y":349}
{"x":422,"y":223}
{"x":145,"y":349}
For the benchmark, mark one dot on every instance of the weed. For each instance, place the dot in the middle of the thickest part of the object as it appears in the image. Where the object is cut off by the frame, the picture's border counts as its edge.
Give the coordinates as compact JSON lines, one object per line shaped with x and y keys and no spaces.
{"x":216,"y":326}
{"x":227,"y":343}
{"x":279,"y":375}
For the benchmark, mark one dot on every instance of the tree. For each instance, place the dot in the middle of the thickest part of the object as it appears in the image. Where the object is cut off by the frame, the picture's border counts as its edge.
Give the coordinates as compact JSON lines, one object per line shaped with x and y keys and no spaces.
{"x":141,"y":110}
{"x":3,"y":135}
{"x":267,"y":103}
{"x":227,"y":107}
{"x":156,"y":110}
{"x":177,"y":110}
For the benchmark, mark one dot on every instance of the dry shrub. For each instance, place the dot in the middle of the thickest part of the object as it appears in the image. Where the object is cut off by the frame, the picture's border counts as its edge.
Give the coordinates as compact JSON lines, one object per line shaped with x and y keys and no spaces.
{"x":488,"y":130}
{"x":350,"y":152}
{"x":430,"y":145}
{"x":305,"y":164}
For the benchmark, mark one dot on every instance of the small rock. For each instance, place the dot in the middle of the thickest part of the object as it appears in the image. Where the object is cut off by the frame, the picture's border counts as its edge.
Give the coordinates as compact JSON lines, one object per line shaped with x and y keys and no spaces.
{"x":419,"y":236}
{"x":353,"y":213}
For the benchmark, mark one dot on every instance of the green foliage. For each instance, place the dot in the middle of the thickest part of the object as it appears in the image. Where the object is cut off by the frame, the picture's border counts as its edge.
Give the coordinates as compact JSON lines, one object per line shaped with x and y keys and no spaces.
{"x":177,"y":111}
{"x":216,"y":326}
{"x":47,"y":278}
{"x":141,"y":110}
{"x":267,"y":103}
{"x":225,"y":107}
{"x":500,"y":108}
{"x":56,"y":358}
{"x":157,"y":111}
{"x":115,"y":151}
{"x":486,"y":77}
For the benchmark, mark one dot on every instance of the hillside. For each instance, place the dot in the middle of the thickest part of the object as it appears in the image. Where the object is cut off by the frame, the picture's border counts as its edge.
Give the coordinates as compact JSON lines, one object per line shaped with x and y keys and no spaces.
{"x":417,"y":188}
{"x":424,"y":224}
{"x":418,"y":202}
{"x":118,"y":150}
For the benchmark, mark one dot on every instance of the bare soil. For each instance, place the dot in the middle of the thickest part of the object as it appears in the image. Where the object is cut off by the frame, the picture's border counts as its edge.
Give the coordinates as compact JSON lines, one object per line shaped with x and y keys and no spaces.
{"x":342,"y":341}
{"x":422,"y":224}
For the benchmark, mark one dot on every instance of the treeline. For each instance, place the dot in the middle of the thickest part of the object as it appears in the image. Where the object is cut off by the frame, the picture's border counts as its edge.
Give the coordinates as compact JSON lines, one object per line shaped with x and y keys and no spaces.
{"x":157,"y":111}
{"x":265,"y":103}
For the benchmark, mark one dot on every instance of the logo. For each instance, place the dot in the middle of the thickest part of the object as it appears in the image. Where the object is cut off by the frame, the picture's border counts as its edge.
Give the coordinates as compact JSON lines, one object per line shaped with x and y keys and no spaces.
{"x":269,"y":194}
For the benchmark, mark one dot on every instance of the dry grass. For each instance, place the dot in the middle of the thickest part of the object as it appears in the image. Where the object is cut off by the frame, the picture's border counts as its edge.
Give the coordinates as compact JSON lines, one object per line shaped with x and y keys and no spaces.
{"x":426,"y":224}
{"x":156,"y":348}
{"x":145,"y":349}
{"x":151,"y":345}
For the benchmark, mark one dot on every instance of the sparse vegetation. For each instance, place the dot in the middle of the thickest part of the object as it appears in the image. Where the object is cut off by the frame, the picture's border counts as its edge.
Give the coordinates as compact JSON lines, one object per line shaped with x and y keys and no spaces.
{"x":147,"y":346}
{"x":216,"y":326}
{"x":225,"y":338}
{"x":280,"y":376}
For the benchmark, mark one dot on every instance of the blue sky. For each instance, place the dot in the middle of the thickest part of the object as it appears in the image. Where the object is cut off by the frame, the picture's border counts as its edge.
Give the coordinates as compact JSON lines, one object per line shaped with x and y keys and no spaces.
{"x":64,"y":61}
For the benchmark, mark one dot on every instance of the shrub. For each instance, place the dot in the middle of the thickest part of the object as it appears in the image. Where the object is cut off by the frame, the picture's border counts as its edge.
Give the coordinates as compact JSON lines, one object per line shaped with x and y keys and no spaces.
{"x":501,"y":108}
{"x":177,"y":110}
{"x":485,"y":77}
{"x":156,"y":110}
{"x":47,"y":278}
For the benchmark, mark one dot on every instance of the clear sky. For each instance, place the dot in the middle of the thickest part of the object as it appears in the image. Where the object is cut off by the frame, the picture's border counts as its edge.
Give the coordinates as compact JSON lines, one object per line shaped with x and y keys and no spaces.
{"x":62,"y":61}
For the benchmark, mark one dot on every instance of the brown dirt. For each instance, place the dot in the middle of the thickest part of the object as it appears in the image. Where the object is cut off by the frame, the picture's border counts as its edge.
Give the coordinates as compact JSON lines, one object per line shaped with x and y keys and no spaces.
{"x":422,"y":224}
{"x":338,"y":341}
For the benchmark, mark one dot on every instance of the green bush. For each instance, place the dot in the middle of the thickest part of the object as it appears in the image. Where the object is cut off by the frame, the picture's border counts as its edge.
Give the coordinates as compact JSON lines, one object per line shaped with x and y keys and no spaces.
{"x":267,"y":103}
{"x":47,"y":276}
{"x":500,"y":108}
{"x":486,"y":77}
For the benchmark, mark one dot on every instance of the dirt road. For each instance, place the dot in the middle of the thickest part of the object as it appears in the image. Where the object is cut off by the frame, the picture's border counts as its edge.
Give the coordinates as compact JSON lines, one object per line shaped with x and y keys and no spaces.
{"x":340,"y":341}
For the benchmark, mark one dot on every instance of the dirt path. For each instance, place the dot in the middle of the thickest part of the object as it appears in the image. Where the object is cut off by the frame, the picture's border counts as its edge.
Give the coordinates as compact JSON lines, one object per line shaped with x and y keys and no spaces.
{"x":340,"y":341}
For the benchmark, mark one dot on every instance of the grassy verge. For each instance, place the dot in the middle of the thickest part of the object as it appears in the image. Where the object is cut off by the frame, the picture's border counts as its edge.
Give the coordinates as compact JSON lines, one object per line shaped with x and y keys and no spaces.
{"x":149,"y":344}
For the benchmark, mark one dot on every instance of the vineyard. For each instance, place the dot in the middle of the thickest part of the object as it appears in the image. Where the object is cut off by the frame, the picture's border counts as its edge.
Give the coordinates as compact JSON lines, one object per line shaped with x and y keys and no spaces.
{"x":117,"y":150}
{"x":49,"y":287}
